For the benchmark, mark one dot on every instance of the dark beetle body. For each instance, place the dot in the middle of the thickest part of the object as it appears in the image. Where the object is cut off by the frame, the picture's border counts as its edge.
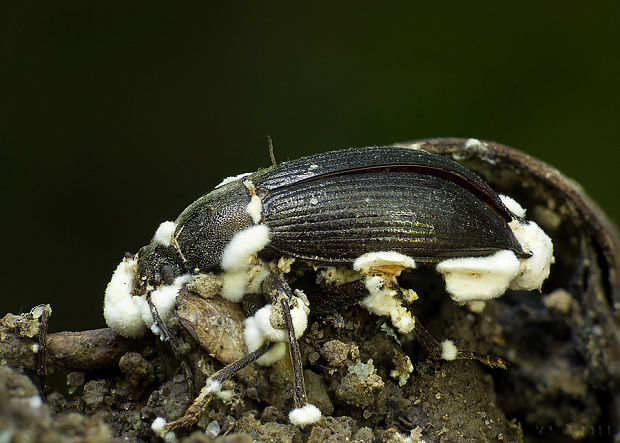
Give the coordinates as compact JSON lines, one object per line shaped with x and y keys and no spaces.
{"x":334,"y":207}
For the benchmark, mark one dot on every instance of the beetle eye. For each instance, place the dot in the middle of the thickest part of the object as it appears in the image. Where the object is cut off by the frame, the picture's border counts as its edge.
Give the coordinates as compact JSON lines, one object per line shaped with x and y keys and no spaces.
{"x":167,"y":274}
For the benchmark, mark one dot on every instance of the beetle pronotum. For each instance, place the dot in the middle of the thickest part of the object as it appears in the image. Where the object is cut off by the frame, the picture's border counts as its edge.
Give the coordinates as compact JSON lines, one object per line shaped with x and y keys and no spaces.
{"x":366,"y":214}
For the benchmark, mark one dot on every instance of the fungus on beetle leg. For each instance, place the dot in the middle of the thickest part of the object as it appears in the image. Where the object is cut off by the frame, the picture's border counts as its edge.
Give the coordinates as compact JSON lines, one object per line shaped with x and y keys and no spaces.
{"x":356,"y":219}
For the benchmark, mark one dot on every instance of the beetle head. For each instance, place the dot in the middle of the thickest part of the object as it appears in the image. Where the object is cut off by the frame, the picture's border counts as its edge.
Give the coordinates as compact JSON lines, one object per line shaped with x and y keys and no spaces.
{"x":157,"y":265}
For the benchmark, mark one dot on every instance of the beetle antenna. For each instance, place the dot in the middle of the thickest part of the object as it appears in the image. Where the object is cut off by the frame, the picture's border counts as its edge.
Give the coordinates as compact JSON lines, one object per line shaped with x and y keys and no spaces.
{"x":271,"y":154}
{"x":447,"y":350}
{"x":167,"y":337}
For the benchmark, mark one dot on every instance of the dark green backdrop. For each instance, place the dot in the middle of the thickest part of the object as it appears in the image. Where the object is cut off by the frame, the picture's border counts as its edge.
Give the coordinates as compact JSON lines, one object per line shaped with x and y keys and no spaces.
{"x":116,"y":116}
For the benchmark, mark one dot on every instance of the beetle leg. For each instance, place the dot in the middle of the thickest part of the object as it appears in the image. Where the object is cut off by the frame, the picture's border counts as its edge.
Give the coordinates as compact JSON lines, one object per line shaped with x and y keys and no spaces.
{"x":167,"y":337}
{"x":281,"y":294}
{"x":298,"y":375}
{"x":448,"y":351}
{"x":213,"y":386}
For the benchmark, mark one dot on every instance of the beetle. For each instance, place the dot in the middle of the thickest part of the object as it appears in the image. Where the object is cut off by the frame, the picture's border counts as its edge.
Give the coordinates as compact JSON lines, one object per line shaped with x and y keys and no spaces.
{"x":358,"y":217}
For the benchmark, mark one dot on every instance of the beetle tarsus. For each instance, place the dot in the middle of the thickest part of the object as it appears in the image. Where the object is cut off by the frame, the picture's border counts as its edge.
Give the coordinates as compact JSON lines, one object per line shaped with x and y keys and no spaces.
{"x":435,"y":350}
{"x":489,"y":360}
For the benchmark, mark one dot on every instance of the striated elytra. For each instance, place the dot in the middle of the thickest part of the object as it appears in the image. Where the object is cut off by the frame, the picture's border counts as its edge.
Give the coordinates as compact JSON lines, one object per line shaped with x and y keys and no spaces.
{"x":356,"y":218}
{"x":366,"y":199}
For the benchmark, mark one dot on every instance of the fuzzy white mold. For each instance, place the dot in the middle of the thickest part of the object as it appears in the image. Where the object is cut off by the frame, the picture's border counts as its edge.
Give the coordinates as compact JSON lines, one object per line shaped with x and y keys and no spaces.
{"x":254,"y":209}
{"x":512,"y":206}
{"x":232,"y":178}
{"x":383,"y":301}
{"x":448,"y":350}
{"x":276,"y":352}
{"x":164,"y":298}
{"x":254,"y":339}
{"x":165,"y":233}
{"x":474,"y":143}
{"x":305,"y":415}
{"x":258,"y":330}
{"x":130,"y":315}
{"x":235,"y":284}
{"x":535,"y":269}
{"x":159,"y":426}
{"x":336,"y":275}
{"x":365,"y":263}
{"x":121,"y":310}
{"x":244,"y":273}
{"x":298,"y":315}
{"x":479,"y":278}
{"x":243,"y":246}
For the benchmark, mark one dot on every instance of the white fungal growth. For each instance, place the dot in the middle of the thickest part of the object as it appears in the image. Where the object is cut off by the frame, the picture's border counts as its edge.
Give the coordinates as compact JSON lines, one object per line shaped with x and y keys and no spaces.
{"x":474,"y":143}
{"x":476,"y":306}
{"x":305,"y":415}
{"x":159,"y":426}
{"x":479,"y":278}
{"x":336,"y":275}
{"x":383,"y":301}
{"x":130,"y":315}
{"x":259,"y":330}
{"x":276,"y":352}
{"x":254,"y":209}
{"x":448,"y":350}
{"x":298,"y":315}
{"x":165,"y":233}
{"x":212,"y":386}
{"x":365,"y":263}
{"x":232,"y":179}
{"x":535,"y":269}
{"x":235,"y":284}
{"x":244,"y":272}
{"x":482,"y":278}
{"x":512,"y":206}
{"x":121,"y":310}
{"x":34,"y":401}
{"x":239,"y":252}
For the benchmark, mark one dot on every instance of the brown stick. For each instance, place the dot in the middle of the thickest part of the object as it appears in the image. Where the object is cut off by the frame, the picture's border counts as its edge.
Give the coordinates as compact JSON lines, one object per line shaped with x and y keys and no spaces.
{"x":87,"y":350}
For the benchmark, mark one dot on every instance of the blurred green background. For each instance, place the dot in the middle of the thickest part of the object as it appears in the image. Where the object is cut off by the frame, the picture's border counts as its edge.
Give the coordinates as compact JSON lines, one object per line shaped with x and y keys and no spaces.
{"x":118,"y":115}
